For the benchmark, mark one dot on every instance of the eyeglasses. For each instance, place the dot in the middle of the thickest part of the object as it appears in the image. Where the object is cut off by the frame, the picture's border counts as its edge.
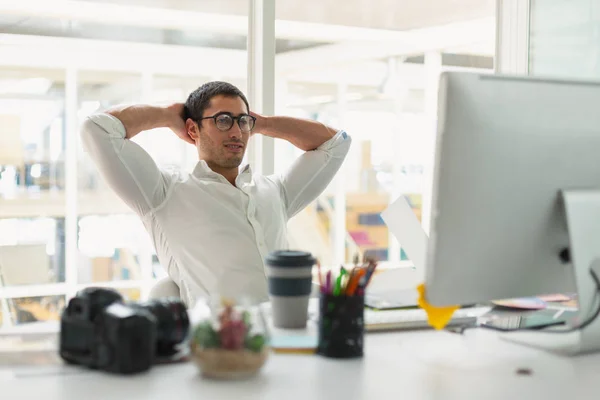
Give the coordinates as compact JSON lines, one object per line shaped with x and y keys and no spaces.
{"x":224,"y":121}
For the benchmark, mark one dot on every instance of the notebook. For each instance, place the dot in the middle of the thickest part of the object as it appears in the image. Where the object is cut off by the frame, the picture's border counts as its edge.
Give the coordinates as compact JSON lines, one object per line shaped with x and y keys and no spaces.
{"x":293,"y":341}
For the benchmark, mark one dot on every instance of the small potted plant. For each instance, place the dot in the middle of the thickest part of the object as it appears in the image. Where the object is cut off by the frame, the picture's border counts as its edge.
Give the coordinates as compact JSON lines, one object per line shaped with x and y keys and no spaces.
{"x":230,"y":346}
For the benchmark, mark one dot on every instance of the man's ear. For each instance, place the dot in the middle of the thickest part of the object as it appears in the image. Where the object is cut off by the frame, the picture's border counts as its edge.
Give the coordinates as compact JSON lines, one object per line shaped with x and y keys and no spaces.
{"x":192,"y":128}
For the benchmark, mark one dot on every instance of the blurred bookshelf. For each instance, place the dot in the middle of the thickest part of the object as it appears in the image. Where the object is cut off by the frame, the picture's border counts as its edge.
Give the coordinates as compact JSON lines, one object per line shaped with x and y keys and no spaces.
{"x":52,"y":203}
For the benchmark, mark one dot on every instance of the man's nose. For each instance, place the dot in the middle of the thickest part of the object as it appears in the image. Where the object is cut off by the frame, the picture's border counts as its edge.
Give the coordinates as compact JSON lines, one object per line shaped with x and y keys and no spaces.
{"x":235,"y":131}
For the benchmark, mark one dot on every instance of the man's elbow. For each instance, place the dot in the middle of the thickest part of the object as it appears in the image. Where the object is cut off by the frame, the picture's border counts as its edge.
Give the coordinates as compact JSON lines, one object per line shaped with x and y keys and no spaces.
{"x":92,"y":135}
{"x":87,"y":131}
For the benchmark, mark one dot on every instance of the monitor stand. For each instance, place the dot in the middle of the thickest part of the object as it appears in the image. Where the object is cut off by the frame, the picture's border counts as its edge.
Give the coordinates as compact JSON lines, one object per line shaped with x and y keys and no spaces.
{"x":583,"y":222}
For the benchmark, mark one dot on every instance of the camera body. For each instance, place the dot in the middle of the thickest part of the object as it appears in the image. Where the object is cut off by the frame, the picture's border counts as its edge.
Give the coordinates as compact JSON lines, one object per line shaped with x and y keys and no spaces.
{"x":100,"y":331}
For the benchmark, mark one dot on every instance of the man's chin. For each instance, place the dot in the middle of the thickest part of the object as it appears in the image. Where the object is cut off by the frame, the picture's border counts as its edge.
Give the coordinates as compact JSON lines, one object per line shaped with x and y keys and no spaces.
{"x":232,"y":162}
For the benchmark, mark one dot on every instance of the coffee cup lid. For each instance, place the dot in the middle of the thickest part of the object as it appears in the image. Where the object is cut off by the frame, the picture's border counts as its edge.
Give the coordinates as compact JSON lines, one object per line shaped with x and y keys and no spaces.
{"x":290,"y":258}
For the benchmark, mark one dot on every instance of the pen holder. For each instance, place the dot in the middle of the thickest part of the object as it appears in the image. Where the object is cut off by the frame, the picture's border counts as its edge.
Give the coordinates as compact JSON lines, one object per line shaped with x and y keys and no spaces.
{"x":341,"y":326}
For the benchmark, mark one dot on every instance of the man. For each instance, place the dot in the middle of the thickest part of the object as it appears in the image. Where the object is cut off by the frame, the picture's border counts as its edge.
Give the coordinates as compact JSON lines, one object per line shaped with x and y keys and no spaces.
{"x":213,"y":228}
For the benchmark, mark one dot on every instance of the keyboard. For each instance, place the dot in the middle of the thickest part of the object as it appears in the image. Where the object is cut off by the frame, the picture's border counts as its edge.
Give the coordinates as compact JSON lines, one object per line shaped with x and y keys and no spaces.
{"x":386,"y":320}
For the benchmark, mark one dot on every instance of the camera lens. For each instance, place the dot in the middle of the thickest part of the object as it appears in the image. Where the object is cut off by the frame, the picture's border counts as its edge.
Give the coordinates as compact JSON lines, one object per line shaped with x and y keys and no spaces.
{"x":172,"y":324}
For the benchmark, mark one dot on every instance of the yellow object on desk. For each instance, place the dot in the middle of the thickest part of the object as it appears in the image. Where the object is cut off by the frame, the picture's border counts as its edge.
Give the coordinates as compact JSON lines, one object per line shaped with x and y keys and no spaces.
{"x":438,"y":317}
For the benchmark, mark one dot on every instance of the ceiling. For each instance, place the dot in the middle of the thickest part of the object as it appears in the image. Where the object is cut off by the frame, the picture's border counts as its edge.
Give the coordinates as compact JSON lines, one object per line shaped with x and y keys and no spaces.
{"x":377,"y":14}
{"x":395,"y":28}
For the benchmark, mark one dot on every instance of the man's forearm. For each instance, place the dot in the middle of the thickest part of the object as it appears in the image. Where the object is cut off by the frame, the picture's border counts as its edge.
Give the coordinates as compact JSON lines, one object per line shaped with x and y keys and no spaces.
{"x":138,"y":118}
{"x":304,"y":134}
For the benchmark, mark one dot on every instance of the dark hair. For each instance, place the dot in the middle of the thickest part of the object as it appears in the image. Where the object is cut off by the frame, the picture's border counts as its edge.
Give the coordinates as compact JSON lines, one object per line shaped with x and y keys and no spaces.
{"x":199,"y":99}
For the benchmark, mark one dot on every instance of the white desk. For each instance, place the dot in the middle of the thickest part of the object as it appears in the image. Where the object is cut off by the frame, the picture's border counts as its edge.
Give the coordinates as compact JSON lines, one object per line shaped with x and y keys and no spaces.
{"x":415,"y":365}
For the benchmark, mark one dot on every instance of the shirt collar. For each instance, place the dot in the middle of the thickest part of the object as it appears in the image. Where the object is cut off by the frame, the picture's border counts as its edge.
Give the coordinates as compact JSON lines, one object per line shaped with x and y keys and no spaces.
{"x":203,"y":171}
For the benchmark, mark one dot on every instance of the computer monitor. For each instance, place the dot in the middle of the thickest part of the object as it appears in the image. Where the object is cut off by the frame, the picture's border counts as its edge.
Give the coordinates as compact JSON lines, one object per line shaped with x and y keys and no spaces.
{"x":516,"y":184}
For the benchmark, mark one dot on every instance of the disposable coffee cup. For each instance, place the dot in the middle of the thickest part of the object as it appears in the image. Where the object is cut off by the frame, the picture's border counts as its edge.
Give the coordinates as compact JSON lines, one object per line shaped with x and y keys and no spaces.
{"x":289,"y":275}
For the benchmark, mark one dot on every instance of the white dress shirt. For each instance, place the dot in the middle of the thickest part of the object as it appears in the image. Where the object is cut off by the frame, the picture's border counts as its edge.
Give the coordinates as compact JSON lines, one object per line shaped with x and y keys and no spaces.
{"x":211,"y":237}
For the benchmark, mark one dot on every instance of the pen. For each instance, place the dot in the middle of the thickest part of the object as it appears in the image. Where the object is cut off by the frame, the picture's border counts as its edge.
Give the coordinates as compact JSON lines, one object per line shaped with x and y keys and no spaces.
{"x":354,"y":282}
{"x":345,"y":281}
{"x":362,"y":282}
{"x":370,"y":272}
{"x":338,"y":282}
{"x":350,"y":278}
{"x":366,"y":278}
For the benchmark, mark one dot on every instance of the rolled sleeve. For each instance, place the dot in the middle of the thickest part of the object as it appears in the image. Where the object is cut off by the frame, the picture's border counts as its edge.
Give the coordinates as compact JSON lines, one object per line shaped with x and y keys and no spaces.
{"x":111,"y":125}
{"x":339,"y":144}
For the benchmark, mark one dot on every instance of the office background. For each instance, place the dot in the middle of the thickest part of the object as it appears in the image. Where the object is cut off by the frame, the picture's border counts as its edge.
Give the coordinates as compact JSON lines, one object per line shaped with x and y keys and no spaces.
{"x":370,"y":67}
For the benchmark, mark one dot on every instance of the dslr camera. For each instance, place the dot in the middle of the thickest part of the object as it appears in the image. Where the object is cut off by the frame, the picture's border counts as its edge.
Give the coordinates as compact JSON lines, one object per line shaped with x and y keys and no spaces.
{"x":100,"y":331}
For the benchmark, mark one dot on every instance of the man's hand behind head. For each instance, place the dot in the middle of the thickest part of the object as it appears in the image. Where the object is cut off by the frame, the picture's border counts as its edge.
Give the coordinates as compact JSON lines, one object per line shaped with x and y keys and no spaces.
{"x":261,"y":124}
{"x":177,"y":122}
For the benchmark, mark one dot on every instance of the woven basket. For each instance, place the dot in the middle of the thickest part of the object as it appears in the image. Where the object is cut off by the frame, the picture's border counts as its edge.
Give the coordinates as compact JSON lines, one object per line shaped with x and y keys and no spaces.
{"x":228,"y":364}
